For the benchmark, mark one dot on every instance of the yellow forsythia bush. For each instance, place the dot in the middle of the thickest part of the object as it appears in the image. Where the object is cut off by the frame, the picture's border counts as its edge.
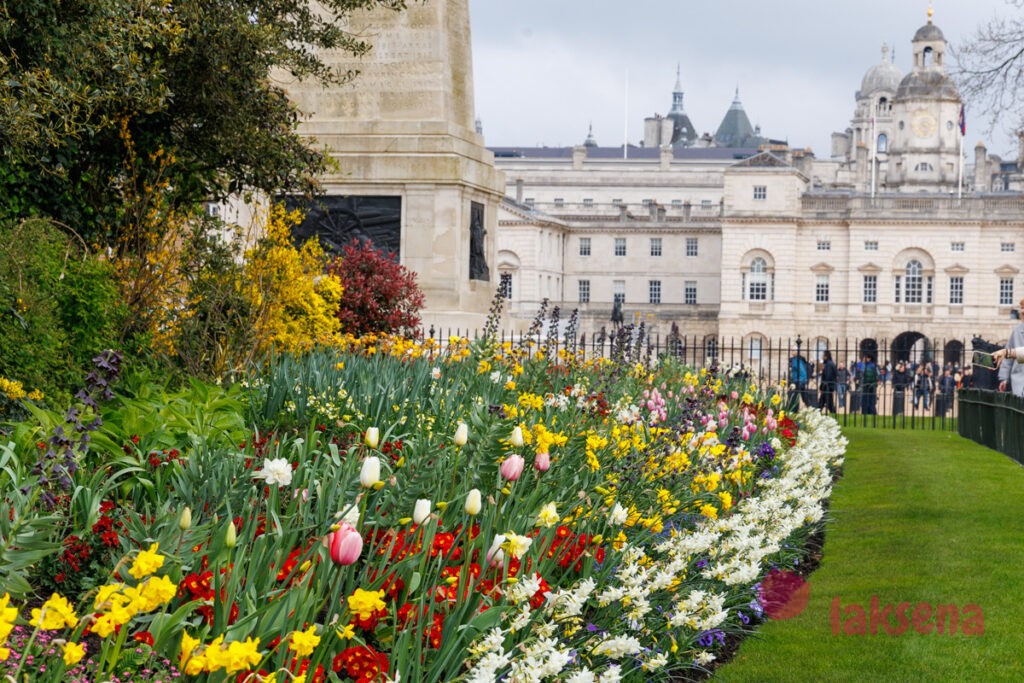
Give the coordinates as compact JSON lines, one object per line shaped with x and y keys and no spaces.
{"x":296,"y":298}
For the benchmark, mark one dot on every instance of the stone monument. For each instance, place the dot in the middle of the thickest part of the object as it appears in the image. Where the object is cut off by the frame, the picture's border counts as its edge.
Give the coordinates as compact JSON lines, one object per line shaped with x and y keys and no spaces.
{"x":413,"y":175}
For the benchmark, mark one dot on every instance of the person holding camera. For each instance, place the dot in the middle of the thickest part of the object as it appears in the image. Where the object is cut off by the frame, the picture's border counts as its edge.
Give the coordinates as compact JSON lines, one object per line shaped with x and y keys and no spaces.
{"x":1011,"y":365}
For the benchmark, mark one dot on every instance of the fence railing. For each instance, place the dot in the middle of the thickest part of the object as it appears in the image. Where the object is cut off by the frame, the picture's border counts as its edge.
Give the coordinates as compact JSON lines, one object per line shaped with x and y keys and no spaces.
{"x":993,"y":419}
{"x":896,"y":402}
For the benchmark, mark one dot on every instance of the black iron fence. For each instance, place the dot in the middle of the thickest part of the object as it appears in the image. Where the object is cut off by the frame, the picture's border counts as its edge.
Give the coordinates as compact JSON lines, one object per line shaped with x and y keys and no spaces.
{"x":993,"y":419}
{"x":915,"y":383}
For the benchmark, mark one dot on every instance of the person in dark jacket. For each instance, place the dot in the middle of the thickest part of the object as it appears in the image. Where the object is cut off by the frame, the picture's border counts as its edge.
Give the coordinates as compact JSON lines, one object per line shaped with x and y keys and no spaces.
{"x":829,"y":376}
{"x":901,"y":379}
{"x":947,"y":393}
{"x":868,"y":385}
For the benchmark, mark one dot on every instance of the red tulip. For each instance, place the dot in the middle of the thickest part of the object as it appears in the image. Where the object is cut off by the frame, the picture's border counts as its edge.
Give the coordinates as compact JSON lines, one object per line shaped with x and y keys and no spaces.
{"x":346,"y":544}
{"x":512,"y":466}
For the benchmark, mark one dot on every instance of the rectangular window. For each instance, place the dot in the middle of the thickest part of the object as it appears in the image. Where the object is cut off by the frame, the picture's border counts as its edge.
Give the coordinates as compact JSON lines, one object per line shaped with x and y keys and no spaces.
{"x":619,"y":291}
{"x":690,"y":292}
{"x":824,"y":245}
{"x":760,"y":191}
{"x":897,"y":281}
{"x":616,"y":201}
{"x":648,"y":202}
{"x":691,"y":246}
{"x":584,"y":286}
{"x":654,"y":291}
{"x":559,"y":202}
{"x":870,"y":289}
{"x":584,"y":246}
{"x":677,"y":203}
{"x":655,"y":246}
{"x":506,"y":285}
{"x":956,"y":246}
{"x":755,"y":346}
{"x":529,"y":201}
{"x":1006,"y":246}
{"x":821,"y":289}
{"x":1006,"y":291}
{"x":588,"y":201}
{"x":706,"y":204}
{"x":620,"y":246}
{"x":871,"y":245}
{"x":956,"y":290}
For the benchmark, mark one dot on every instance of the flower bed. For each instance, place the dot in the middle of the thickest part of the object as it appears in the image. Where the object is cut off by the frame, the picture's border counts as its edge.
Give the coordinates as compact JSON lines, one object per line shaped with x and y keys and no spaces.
{"x":401,"y":510}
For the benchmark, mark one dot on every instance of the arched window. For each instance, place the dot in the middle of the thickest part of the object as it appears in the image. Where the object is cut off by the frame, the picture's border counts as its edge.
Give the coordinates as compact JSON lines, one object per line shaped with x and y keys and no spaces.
{"x":913,"y":282}
{"x":923,"y":166}
{"x":758,"y":283}
{"x":883,"y":143}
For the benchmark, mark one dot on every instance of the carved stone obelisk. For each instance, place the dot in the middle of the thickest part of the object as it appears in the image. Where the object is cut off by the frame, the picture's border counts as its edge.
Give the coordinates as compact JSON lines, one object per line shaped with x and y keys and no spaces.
{"x":413,"y":175}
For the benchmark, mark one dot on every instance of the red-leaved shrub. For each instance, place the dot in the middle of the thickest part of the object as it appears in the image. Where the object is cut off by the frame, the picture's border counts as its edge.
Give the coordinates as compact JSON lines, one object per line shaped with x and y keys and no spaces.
{"x":381,"y":295}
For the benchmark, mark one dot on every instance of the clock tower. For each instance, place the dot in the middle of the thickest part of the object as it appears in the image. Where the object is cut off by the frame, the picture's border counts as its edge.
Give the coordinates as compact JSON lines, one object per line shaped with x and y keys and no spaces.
{"x":925,"y":151}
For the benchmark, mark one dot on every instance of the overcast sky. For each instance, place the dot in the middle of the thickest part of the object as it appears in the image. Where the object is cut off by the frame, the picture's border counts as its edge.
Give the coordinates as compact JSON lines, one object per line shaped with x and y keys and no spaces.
{"x":545,"y":69}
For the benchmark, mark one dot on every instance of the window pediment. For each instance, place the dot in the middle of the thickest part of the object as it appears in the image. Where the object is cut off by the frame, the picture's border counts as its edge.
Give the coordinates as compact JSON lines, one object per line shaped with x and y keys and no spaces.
{"x":822,"y":269}
{"x":1006,"y":270}
{"x":957,"y":269}
{"x":870,"y":269}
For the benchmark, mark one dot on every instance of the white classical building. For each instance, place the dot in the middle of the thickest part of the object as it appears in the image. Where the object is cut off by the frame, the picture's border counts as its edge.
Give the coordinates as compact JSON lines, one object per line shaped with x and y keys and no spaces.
{"x":892,"y":238}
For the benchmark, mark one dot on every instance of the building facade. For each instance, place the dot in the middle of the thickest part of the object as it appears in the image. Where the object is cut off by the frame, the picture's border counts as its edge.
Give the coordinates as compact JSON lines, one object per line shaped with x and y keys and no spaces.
{"x":893,"y":237}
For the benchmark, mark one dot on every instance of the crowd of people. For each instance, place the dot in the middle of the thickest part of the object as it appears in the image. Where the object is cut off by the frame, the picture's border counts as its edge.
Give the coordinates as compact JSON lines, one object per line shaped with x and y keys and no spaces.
{"x":855,"y":386}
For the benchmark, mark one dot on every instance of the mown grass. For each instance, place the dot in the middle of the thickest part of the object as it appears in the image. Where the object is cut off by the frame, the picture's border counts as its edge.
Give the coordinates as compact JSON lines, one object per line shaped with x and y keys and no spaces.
{"x":918,"y":516}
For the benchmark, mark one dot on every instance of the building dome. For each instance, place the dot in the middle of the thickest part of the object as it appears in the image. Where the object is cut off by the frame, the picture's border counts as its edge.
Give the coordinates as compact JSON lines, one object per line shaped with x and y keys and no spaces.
{"x":927,"y":84}
{"x":882,"y":77}
{"x":929,"y":32}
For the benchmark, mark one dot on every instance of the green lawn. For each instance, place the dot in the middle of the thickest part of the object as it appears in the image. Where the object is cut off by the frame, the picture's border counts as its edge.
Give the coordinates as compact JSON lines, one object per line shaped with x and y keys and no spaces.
{"x":918,"y":516}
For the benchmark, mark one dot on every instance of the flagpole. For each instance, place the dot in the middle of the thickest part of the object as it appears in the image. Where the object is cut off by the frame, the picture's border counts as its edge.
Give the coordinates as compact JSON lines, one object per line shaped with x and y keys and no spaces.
{"x":962,"y":125}
{"x":874,"y":149}
{"x":625,"y":117}
{"x":960,"y":180}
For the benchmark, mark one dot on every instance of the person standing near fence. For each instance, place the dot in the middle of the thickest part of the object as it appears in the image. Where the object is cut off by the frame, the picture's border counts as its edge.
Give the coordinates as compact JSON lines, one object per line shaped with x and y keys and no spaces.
{"x":900,"y":381}
{"x":947,"y":391}
{"x":1011,"y":370}
{"x":842,"y":383}
{"x":799,"y":376}
{"x":868,"y":387}
{"x":922,"y":386}
{"x":829,"y":377}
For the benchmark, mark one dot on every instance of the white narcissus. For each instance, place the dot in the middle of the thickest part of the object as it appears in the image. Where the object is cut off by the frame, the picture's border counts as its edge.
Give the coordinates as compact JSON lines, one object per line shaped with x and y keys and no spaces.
{"x":277,"y":471}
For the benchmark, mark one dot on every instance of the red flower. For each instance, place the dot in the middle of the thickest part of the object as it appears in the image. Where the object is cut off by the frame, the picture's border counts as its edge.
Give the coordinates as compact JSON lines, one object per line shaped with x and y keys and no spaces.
{"x":362,"y":663}
{"x":143,"y":637}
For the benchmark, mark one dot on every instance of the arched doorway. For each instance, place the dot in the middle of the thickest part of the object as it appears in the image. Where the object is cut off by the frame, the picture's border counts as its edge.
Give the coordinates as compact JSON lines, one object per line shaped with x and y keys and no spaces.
{"x":868,"y":347}
{"x":911,"y":347}
{"x":953,"y":353}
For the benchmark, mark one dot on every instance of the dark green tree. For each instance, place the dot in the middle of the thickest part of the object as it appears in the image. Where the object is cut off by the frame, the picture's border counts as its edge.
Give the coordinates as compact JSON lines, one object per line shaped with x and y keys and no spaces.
{"x":103,"y":100}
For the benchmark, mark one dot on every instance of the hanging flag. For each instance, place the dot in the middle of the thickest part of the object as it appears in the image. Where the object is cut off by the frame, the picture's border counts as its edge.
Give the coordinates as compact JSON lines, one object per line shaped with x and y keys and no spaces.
{"x":962,"y":122}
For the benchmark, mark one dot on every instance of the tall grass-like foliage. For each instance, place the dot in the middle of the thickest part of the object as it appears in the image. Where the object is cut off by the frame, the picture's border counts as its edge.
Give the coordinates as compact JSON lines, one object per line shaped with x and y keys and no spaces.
{"x":441,"y":511}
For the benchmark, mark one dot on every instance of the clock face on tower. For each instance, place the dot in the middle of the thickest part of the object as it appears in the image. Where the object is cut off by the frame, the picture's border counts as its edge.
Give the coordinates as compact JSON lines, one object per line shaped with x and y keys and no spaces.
{"x":923,"y":124}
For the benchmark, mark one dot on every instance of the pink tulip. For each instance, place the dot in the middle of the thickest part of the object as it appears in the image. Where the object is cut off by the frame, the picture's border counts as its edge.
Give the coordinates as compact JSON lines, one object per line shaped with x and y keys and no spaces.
{"x":346,"y":544}
{"x":542,"y":462}
{"x":512,"y":466}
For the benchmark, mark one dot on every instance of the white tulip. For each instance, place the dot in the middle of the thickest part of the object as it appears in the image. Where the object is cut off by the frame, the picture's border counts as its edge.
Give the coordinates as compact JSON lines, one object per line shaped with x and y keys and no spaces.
{"x":372,"y":437}
{"x":517,"y":437}
{"x":370,"y":474}
{"x":473,"y":502}
{"x":421,"y":512}
{"x":461,"y":434}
